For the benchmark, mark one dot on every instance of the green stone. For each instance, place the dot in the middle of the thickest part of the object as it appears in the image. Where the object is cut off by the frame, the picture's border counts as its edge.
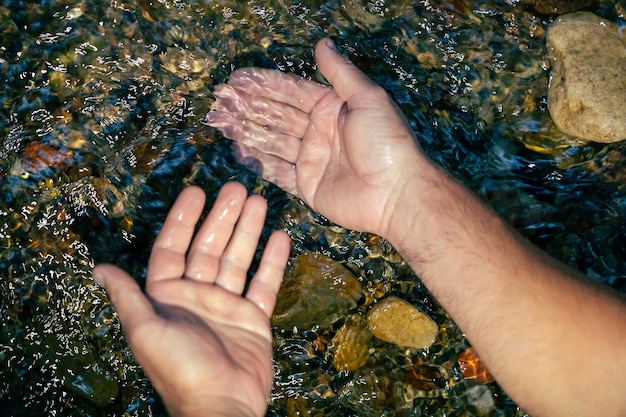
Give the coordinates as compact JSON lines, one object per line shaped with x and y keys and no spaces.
{"x":319,"y":292}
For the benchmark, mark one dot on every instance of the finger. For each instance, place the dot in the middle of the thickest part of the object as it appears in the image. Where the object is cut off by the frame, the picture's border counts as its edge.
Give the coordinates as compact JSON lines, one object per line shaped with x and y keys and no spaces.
{"x":266,"y":140}
{"x":272,"y":115}
{"x":131,"y":305}
{"x":238,"y":256}
{"x":272,"y":168}
{"x":203,"y":260}
{"x":167,"y":260}
{"x":347,"y":80}
{"x":277,"y":86}
{"x":266,"y":282}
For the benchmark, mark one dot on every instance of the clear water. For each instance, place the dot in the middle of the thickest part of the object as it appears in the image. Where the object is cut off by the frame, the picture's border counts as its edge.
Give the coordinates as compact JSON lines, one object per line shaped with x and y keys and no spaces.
{"x":101,"y":125}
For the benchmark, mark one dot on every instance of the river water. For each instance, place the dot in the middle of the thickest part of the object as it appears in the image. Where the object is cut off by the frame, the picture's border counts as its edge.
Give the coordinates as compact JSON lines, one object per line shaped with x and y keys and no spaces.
{"x":101,"y":125}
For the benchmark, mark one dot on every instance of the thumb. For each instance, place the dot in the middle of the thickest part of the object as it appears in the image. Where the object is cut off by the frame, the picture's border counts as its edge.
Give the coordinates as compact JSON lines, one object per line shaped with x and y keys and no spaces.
{"x":131,"y":304}
{"x":347,"y":80}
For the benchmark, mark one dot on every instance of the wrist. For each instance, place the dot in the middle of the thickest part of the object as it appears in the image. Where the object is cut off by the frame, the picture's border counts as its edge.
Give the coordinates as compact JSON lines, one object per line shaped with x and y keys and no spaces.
{"x":434,"y":217}
{"x":416,"y":205}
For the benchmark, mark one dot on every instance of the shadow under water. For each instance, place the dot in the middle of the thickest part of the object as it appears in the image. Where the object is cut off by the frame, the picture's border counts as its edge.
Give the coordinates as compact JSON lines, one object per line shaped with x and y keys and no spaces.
{"x":101,"y":121}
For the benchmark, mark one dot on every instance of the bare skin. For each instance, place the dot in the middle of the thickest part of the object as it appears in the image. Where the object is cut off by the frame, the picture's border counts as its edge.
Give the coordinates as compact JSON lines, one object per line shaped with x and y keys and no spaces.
{"x":552,"y":337}
{"x":206,"y":348}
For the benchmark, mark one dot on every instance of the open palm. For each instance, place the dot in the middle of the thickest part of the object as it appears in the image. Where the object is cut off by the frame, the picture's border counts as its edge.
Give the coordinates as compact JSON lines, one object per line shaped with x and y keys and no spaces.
{"x":206,"y":348}
{"x":345,"y":150}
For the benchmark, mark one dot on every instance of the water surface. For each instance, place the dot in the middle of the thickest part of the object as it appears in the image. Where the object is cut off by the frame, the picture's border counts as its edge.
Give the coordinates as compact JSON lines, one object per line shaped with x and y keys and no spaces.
{"x":101,"y":121}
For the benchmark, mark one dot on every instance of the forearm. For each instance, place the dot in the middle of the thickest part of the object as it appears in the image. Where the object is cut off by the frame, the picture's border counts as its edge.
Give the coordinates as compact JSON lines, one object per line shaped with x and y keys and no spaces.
{"x":546,"y":332}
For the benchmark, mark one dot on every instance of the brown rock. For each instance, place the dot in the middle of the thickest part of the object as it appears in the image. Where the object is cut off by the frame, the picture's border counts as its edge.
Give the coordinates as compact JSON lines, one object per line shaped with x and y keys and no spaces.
{"x":399,"y":322}
{"x":424,"y":377}
{"x":319,"y":292}
{"x":587,"y":94}
{"x":472,"y":367}
{"x":37,"y":156}
{"x":351,"y":344}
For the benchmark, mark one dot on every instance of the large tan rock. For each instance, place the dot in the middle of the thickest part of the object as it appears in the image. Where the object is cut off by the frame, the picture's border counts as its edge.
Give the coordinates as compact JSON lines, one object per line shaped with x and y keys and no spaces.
{"x":399,"y":322}
{"x":587,"y":95}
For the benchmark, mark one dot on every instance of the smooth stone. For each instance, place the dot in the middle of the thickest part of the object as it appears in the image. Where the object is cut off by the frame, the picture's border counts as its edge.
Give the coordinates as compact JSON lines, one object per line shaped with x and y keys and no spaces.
{"x":399,"y":322}
{"x":319,"y":292}
{"x":481,"y":399}
{"x":350,"y":345}
{"x":472,"y":367}
{"x":587,"y":93}
{"x":424,"y":377}
{"x":97,"y":387}
{"x":84,"y":374}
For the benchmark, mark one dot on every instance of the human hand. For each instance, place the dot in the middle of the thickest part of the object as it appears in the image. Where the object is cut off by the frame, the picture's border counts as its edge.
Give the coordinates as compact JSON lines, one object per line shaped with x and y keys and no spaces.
{"x":206,"y":348}
{"x":347,"y":151}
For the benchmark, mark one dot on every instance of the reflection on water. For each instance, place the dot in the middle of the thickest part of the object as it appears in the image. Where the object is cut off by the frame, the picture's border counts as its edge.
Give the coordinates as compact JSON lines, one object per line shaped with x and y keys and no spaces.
{"x":101,"y":121}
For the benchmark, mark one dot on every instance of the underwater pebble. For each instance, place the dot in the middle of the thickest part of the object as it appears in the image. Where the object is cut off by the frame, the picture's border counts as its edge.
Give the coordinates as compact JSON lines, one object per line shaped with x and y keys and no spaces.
{"x":587,"y":94}
{"x":423,"y":377}
{"x":37,"y":157}
{"x":351,"y":344}
{"x":472,"y":367}
{"x":319,"y":292}
{"x":481,"y":399}
{"x":399,"y":322}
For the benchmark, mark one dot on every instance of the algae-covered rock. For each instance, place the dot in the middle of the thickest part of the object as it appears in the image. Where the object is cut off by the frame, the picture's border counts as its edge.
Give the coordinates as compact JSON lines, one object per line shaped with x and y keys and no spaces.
{"x":318,"y":293}
{"x":396,"y":321}
{"x":587,"y":93}
{"x":351,"y":344}
{"x":82,"y":372}
{"x":423,"y":377}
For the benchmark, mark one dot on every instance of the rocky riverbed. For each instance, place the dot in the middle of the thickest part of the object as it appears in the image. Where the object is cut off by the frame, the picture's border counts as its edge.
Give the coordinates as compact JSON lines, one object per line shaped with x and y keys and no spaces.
{"x":101,"y":116}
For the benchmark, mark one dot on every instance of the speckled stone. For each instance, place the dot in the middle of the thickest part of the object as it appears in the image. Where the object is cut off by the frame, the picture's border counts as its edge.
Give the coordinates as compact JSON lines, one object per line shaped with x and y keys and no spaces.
{"x":587,"y":94}
{"x":399,"y":322}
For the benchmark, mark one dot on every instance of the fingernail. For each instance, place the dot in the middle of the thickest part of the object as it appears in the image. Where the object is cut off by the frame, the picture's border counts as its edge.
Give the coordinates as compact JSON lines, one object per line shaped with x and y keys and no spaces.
{"x":331,"y":44}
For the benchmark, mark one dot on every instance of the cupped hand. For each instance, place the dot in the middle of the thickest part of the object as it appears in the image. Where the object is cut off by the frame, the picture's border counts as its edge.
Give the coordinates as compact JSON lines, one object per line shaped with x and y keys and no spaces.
{"x":346,"y":150}
{"x":206,"y":348}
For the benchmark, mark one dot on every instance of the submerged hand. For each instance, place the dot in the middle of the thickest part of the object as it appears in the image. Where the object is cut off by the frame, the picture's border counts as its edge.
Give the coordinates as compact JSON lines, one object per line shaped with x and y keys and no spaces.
{"x":206,"y":348}
{"x":347,"y":150}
